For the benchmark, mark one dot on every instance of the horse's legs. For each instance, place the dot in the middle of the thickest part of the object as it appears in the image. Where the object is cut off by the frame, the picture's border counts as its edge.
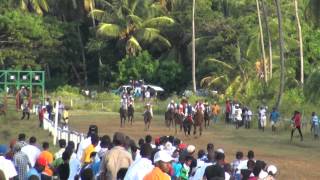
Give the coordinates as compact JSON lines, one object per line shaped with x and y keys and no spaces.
{"x":194,"y":129}
{"x":200,"y":129}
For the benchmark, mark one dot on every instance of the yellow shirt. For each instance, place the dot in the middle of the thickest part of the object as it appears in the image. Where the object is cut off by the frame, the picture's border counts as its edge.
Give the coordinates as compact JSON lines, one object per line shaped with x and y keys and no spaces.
{"x":215,"y":109}
{"x":86,"y":154}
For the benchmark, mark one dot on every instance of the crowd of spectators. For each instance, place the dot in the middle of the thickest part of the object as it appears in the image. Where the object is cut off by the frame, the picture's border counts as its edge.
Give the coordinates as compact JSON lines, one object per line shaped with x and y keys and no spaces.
{"x":163,"y":158}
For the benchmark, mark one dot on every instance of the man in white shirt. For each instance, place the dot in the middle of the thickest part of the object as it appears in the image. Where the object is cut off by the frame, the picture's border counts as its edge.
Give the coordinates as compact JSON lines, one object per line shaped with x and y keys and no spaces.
{"x":6,"y":166}
{"x":62,"y":145}
{"x":201,"y":169}
{"x":93,"y":129}
{"x":141,"y":167}
{"x":31,"y":150}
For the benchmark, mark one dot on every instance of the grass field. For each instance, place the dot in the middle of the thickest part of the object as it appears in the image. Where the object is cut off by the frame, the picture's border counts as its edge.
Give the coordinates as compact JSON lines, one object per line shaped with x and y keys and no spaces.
{"x":296,"y":161}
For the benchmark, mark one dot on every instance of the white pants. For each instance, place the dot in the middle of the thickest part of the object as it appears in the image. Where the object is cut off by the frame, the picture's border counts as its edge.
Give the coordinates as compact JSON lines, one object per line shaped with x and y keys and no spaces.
{"x":263,"y":121}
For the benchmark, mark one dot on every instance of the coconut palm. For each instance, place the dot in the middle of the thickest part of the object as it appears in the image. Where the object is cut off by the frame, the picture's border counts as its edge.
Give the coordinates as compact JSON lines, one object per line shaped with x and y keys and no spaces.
{"x":133,"y":23}
{"x":38,"y":6}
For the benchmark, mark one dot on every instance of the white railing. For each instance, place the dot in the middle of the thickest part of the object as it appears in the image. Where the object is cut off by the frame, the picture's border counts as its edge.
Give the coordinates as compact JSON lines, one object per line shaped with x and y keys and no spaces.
{"x":61,"y":132}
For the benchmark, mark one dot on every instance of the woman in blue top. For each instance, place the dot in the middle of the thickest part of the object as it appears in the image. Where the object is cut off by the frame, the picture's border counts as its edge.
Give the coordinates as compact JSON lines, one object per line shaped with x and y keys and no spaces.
{"x":315,"y":124}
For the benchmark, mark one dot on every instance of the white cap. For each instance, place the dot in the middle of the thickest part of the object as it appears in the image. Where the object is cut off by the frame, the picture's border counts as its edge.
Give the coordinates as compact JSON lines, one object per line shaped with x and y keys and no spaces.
{"x":162,"y":156}
{"x":263,"y":174}
{"x":272,"y":168}
{"x":191,"y":148}
{"x":220,"y":150}
{"x":168,"y":145}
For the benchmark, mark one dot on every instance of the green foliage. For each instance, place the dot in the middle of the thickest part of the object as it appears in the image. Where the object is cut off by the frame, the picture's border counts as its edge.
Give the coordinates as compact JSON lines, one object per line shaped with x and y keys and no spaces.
{"x":142,"y":66}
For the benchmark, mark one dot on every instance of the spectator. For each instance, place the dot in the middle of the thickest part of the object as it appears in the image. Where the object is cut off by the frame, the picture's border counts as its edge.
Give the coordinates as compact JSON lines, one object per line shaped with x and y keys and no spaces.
{"x":274,"y":116}
{"x":40,"y":164}
{"x":91,"y":148}
{"x":31,"y":150}
{"x":215,"y":171}
{"x":6,"y":166}
{"x":162,"y":162}
{"x":247,"y":173}
{"x":87,"y":174}
{"x":272,"y":171}
{"x":41,"y":116}
{"x":21,"y":161}
{"x":48,"y":157}
{"x":185,"y":170}
{"x":25,"y":110}
{"x":148,"y":140}
{"x":64,"y":168}
{"x":227,"y":171}
{"x":105,"y":144}
{"x":315,"y":124}
{"x":10,"y":153}
{"x":142,"y":166}
{"x":62,"y":145}
{"x":93,"y":129}
{"x":201,"y":169}
{"x":296,"y":124}
{"x":22,"y":140}
{"x":74,"y":163}
{"x":215,"y":110}
{"x":116,"y":158}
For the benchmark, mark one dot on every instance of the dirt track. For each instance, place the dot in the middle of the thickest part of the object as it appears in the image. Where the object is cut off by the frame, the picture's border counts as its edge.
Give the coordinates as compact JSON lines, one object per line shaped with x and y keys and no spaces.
{"x":296,"y":161}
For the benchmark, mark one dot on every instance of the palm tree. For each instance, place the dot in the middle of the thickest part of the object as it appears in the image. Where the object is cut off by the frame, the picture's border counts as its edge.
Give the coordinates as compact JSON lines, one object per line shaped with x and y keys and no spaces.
{"x":265,"y":17}
{"x":300,"y":42}
{"x":38,"y":6}
{"x":193,"y":49}
{"x":131,"y":23}
{"x":281,"y":45}
{"x":262,"y":44}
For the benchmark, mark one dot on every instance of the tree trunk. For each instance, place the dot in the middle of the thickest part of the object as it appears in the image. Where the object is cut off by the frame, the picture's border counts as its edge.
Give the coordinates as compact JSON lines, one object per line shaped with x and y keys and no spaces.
{"x":193,"y":49}
{"x":300,"y":43}
{"x":84,"y":61}
{"x":262,"y":45}
{"x":281,"y":44}
{"x":265,"y":17}
{"x":76,"y":73}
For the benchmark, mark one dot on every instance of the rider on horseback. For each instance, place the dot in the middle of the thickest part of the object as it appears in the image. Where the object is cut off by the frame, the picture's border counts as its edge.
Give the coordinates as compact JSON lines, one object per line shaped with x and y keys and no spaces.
{"x":124,"y":101}
{"x":171,"y":106}
{"x":199,"y":106}
{"x":148,"y":108}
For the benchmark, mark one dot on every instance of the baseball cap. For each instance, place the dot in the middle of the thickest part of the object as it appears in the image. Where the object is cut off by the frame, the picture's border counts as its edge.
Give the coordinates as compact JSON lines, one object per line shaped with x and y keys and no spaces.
{"x":272,"y":169}
{"x":3,"y":149}
{"x":42,"y":161}
{"x":162,"y":156}
{"x":191,"y":148}
{"x":182,"y":146}
{"x":220,"y":150}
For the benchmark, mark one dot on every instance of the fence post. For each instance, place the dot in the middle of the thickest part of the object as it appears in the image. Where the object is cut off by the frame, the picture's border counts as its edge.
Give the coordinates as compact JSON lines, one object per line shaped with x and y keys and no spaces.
{"x":55,"y":131}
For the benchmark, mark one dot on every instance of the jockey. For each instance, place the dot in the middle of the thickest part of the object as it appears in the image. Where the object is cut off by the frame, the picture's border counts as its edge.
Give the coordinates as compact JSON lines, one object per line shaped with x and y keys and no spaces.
{"x":171,"y":105}
{"x":199,"y":106}
{"x":124,"y":101}
{"x":180,"y":109}
{"x":130,"y":101}
{"x":148,"y":107}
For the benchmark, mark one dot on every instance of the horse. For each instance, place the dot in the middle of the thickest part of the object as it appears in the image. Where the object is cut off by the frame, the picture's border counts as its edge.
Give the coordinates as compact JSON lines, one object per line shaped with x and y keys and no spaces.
{"x":169,"y":117}
{"x":123,"y":115}
{"x":187,"y":124}
{"x":178,"y":120}
{"x":207,"y":113}
{"x":130,"y":113}
{"x":147,"y":117}
{"x":198,"y":120}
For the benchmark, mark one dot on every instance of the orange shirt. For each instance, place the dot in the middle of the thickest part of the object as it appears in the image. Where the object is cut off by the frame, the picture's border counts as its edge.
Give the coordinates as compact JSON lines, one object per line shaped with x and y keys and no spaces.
{"x":157,"y":174}
{"x":49,"y":157}
{"x":86,"y":154}
{"x":215,"y":109}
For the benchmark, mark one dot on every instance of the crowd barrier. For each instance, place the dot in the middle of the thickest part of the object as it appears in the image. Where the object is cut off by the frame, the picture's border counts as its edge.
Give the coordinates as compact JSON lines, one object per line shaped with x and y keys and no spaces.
{"x":59,"y":132}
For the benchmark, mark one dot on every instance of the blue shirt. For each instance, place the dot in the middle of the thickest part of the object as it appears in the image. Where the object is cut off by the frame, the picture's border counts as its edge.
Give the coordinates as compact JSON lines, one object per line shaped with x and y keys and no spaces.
{"x":177,"y":169}
{"x":32,"y":172}
{"x":274,"y":116}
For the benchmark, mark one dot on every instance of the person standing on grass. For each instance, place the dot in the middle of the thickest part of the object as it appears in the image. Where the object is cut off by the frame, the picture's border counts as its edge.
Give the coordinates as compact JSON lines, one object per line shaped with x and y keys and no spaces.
{"x":228,"y":111}
{"x":215,"y":110}
{"x":296,"y":124}
{"x":315,"y":123}
{"x":274,"y":117}
{"x":25,"y":110}
{"x":238,"y":116}
{"x":263,"y":117}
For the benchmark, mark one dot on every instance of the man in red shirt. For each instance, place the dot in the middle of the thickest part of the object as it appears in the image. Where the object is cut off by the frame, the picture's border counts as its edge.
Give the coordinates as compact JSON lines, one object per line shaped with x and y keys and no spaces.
{"x":296,"y":124}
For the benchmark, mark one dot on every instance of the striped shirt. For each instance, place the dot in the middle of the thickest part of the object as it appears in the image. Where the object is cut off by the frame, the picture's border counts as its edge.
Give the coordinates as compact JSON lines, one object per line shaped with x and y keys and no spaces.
{"x":21,"y":161}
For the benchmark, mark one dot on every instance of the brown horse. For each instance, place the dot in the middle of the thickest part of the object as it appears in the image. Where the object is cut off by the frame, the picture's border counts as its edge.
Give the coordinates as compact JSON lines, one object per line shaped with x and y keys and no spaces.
{"x":207,"y":112}
{"x":130,"y":113}
{"x":123,"y":116}
{"x":178,"y":120}
{"x":169,"y":117}
{"x":147,"y":117}
{"x":198,"y":121}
